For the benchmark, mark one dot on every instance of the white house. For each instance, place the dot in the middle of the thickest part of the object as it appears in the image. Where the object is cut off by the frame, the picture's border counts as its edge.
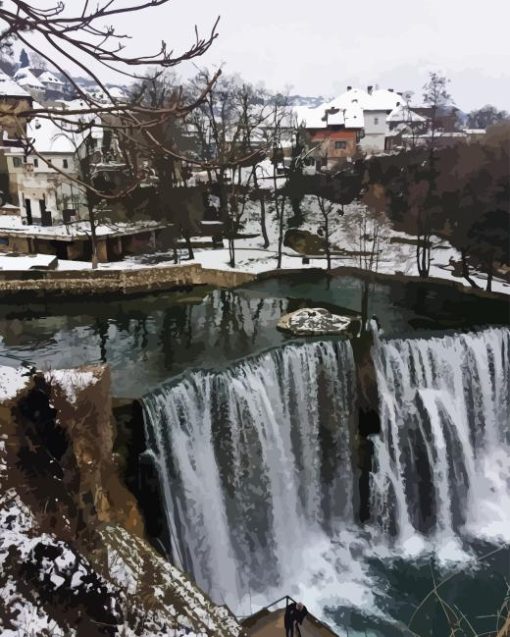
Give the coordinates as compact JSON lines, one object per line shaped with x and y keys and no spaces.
{"x":26,"y":79}
{"x":37,"y":183}
{"x":51,"y":82}
{"x":366,"y":109}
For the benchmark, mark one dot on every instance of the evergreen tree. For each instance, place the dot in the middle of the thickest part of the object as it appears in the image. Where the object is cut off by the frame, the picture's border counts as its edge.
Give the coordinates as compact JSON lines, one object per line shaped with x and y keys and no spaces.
{"x":23,"y":59}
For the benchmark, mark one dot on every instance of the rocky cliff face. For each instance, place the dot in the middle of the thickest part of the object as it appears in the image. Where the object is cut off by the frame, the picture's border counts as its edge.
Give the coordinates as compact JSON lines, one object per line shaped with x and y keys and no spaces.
{"x":73,"y":560}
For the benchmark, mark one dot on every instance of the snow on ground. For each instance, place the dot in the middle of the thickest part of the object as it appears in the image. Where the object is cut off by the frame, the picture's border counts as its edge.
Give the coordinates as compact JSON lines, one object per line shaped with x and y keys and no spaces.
{"x":397,"y":252}
{"x":26,"y":262}
{"x":71,"y":381}
{"x":12,"y":381}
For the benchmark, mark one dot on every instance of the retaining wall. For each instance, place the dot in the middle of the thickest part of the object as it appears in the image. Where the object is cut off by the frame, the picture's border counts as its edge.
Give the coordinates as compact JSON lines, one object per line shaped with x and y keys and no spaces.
{"x":98,"y":282}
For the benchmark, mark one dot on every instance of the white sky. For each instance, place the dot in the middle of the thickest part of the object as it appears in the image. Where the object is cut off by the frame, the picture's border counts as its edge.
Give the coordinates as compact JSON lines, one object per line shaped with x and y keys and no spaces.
{"x":318,"y":47}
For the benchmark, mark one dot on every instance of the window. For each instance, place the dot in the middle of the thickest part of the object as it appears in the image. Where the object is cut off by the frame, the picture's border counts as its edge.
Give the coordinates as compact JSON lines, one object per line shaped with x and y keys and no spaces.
{"x":16,"y":162}
{"x":65,"y":163}
{"x":340,"y":145}
{"x":36,"y":162}
{"x":376,"y":121}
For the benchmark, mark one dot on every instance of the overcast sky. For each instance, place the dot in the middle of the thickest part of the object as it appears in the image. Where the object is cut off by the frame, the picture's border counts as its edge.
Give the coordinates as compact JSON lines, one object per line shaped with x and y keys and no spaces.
{"x":318,"y":47}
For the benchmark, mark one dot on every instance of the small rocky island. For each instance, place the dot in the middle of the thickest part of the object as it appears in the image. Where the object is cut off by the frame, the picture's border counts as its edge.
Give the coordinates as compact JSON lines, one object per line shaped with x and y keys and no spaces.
{"x":317,"y":321}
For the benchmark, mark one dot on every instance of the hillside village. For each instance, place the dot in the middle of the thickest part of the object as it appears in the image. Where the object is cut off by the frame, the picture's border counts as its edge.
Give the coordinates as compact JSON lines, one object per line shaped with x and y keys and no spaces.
{"x":46,"y":211}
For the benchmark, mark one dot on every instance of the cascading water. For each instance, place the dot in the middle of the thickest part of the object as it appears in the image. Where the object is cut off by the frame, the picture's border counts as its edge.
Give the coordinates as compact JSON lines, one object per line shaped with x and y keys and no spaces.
{"x":443,"y":455}
{"x":256,"y":464}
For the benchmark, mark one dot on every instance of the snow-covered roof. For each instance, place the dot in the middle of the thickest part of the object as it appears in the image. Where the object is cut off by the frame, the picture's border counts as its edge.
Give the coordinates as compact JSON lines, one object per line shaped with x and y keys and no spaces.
{"x":376,"y":100}
{"x":336,"y":118}
{"x":117,"y":93}
{"x":382,"y":100}
{"x":346,"y":99}
{"x":25,"y":77}
{"x":310,"y":117}
{"x":354,"y":116}
{"x":13,"y":225}
{"x":403,"y":113}
{"x":49,"y":138}
{"x":50,"y":78}
{"x":9,"y":206}
{"x":9,"y":88}
{"x":26,"y":262}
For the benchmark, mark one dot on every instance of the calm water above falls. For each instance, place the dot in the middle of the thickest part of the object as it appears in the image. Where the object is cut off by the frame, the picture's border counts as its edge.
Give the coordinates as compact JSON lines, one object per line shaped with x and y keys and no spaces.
{"x":149,"y":339}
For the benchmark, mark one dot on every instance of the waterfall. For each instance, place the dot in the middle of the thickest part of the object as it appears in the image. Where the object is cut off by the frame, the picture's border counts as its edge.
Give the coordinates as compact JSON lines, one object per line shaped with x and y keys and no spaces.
{"x":442,"y":459}
{"x":255,"y":461}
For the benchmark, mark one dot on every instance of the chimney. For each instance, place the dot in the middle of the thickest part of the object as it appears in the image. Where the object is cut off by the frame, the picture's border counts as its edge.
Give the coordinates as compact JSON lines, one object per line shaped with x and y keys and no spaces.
{"x":349,"y":88}
{"x":370,"y":89}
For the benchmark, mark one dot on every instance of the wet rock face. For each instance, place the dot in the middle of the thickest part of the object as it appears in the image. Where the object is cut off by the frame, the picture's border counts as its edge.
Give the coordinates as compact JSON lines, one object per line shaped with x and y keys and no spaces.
{"x":72,"y":560}
{"x":82,"y":400}
{"x":316,"y":322}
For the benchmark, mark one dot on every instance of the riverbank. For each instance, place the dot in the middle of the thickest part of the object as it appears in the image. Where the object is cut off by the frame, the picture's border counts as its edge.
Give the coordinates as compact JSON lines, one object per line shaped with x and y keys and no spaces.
{"x":147,"y":279}
{"x":121,"y":282}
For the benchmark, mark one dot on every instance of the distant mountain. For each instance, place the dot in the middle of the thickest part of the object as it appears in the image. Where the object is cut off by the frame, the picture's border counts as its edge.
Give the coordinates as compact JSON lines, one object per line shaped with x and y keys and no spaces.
{"x":303,"y":100}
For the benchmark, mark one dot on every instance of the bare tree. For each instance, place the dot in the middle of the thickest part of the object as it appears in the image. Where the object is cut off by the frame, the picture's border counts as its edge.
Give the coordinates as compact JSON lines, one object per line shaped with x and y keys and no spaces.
{"x":66,"y":36}
{"x":224,"y":125}
{"x":437,"y":99}
{"x":327,"y":210}
{"x":279,"y":133}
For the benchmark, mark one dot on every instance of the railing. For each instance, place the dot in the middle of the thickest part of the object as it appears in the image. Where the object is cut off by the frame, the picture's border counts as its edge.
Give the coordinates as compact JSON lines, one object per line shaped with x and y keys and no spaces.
{"x":248,"y":620}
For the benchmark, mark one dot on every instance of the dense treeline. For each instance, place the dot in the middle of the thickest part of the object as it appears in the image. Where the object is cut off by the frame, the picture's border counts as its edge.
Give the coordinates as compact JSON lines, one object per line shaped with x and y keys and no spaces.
{"x":462,"y":194}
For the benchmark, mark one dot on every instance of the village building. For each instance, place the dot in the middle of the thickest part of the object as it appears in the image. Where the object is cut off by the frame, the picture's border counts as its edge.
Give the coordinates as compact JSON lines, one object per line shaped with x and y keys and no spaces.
{"x":27,"y":80}
{"x":333,"y":132}
{"x":52,"y":84}
{"x":12,"y":95}
{"x":372,"y":107}
{"x":37,"y":182}
{"x":73,"y":241}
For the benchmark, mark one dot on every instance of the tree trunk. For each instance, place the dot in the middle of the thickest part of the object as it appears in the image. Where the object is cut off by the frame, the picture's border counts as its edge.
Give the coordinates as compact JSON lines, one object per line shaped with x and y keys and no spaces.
{"x":263,"y":222}
{"x":328,"y":251}
{"x":232,"y":252}
{"x":465,"y":270}
{"x":490,"y":274}
{"x":187,"y":238}
{"x":93,"y":239}
{"x":280,"y":233}
{"x":364,"y":304}
{"x":262,"y":211}
{"x":279,"y":207}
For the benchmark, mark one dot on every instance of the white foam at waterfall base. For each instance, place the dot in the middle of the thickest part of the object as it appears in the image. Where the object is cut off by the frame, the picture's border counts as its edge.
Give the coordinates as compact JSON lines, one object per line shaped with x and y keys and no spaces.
{"x":327,"y":573}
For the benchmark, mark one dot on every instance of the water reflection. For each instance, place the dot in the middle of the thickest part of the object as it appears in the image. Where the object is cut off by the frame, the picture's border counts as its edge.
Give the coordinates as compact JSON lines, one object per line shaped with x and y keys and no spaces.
{"x":148,"y":339}
{"x":145,"y":340}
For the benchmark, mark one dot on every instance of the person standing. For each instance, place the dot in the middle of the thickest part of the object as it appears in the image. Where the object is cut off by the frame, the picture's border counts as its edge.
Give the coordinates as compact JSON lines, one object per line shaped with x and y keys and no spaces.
{"x":294,"y":615}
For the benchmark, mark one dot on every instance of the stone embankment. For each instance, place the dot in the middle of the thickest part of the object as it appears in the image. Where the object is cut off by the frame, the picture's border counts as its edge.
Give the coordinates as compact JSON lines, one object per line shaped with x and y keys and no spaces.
{"x":135,"y":281}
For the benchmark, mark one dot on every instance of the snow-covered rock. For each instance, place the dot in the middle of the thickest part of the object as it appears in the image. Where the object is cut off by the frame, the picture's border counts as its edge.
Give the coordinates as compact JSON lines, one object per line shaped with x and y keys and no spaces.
{"x":315,"y":321}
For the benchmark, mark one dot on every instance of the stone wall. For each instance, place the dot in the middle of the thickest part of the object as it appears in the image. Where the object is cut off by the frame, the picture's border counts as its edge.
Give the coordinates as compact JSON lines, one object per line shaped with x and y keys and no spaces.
{"x":83,"y":282}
